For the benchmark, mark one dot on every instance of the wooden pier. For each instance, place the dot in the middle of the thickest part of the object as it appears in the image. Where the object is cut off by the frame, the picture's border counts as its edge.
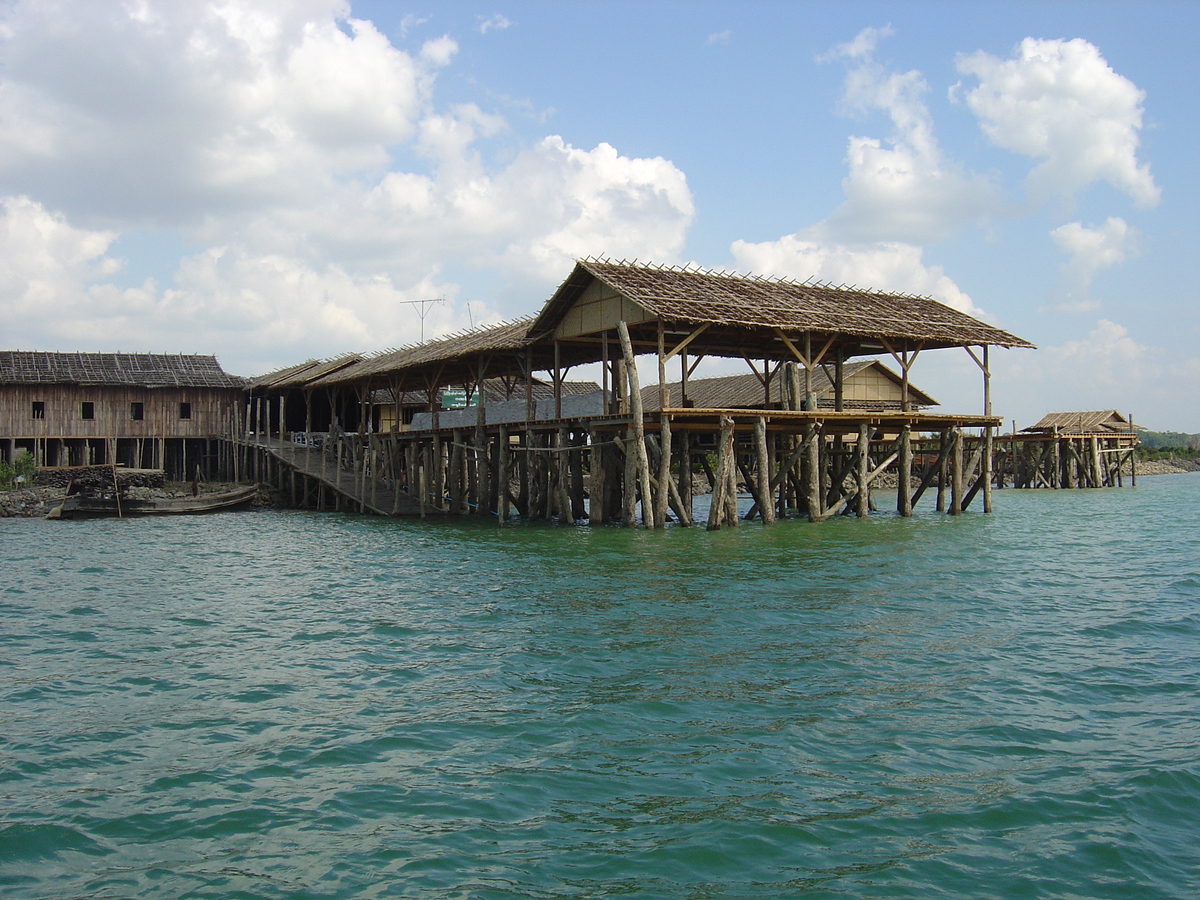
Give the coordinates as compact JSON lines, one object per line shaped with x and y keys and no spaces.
{"x":605,"y":456}
{"x":1070,"y":450}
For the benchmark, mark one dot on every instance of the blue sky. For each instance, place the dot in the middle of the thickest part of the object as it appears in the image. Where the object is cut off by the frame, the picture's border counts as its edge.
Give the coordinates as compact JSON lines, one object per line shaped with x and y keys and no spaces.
{"x":271,"y":181}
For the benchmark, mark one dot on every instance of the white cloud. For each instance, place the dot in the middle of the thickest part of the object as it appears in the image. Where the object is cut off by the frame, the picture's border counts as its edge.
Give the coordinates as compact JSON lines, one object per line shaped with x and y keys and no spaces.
{"x":886,"y":267}
{"x":566,"y":202}
{"x":439,"y":51}
{"x":720,"y":37}
{"x":196,"y":109}
{"x":900,"y":194}
{"x":1090,"y":250}
{"x":1060,"y":102}
{"x":496,"y":22}
{"x":862,"y":47}
{"x":270,"y":135}
{"x":902,"y":188}
{"x":54,"y":291}
{"x":44,"y":262}
{"x":1105,"y":369}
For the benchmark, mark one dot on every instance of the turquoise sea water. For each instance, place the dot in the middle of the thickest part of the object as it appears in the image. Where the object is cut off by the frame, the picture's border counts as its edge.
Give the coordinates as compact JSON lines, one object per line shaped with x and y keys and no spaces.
{"x":287,"y":704}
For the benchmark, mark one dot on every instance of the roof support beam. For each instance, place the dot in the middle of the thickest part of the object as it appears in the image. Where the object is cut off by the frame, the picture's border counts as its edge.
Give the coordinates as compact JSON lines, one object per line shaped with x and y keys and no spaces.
{"x":682,"y":345}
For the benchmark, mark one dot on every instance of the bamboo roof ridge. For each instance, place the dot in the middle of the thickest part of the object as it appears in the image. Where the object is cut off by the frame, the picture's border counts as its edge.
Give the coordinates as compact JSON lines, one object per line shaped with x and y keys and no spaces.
{"x":698,"y":296}
{"x":305,"y":374}
{"x":129,"y":369}
{"x":1096,"y":420}
{"x":453,"y":348}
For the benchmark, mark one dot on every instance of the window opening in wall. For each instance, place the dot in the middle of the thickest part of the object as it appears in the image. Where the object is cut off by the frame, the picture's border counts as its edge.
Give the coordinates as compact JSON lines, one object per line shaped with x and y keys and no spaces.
{"x":136,"y":412}
{"x":39,"y":409}
{"x":87,"y":410}
{"x":185,"y":410}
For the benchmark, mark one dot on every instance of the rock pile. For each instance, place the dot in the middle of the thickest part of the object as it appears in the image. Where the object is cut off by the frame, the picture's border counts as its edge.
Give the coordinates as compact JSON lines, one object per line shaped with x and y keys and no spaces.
{"x":100,"y":478}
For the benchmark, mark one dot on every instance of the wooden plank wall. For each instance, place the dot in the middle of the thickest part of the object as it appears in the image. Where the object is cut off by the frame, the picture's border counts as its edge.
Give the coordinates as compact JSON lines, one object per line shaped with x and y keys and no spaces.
{"x":211,"y":409}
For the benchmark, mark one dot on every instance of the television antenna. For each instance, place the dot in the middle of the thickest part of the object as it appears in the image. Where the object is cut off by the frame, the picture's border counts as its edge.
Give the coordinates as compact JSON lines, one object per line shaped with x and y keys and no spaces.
{"x":423,"y":307}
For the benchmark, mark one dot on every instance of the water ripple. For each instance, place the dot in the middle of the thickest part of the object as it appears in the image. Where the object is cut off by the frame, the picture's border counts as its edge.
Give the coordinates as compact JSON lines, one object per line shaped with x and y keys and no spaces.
{"x":991,"y":707}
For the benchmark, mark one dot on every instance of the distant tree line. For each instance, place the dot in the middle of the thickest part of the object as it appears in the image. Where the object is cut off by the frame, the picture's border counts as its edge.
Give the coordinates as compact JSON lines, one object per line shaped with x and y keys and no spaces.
{"x":1168,"y":445}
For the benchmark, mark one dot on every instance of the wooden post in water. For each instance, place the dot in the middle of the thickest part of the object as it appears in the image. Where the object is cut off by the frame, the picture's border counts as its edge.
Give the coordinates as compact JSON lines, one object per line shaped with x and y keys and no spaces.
{"x":863,"y":458}
{"x":904,"y":474}
{"x":630,"y":481}
{"x":565,"y":507}
{"x":502,"y":502}
{"x":987,"y":469}
{"x":766,"y":500}
{"x":596,"y":486}
{"x":456,"y":471}
{"x":956,"y":472}
{"x":664,"y":471}
{"x":639,"y":425}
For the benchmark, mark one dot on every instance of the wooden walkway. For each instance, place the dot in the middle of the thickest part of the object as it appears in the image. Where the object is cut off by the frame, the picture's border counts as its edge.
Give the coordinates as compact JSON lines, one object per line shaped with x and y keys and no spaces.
{"x":311,"y":475}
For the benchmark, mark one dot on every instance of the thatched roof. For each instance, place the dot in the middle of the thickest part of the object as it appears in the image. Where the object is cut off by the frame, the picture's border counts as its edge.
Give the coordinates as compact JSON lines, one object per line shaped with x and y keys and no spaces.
{"x":454,"y":356}
{"x":746,"y":391}
{"x":747,"y":316}
{"x":107,"y":369}
{"x":1100,"y":420}
{"x":304,"y":374}
{"x":694,"y":297}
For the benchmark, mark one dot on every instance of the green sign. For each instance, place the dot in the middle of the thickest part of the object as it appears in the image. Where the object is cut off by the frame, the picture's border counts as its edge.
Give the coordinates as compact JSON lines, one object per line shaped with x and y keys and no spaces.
{"x":454,"y":399}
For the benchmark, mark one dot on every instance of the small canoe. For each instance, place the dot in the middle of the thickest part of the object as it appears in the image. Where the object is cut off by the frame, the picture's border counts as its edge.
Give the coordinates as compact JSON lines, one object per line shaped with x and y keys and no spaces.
{"x":80,"y":506}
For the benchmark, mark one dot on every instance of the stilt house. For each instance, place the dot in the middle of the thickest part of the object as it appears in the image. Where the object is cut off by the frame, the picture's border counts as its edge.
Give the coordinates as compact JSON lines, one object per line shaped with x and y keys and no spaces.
{"x":141,"y":410}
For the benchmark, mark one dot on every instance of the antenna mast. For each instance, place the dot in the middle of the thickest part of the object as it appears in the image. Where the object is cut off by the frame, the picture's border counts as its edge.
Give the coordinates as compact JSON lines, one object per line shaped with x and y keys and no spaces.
{"x":423,"y":309}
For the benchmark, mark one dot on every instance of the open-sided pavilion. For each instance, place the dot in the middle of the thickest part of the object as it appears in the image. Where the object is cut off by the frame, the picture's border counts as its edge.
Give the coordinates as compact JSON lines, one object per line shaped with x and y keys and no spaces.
{"x":598,"y":457}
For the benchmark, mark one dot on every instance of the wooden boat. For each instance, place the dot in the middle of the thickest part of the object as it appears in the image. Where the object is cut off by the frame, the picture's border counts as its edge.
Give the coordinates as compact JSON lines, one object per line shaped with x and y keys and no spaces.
{"x":78,"y":506}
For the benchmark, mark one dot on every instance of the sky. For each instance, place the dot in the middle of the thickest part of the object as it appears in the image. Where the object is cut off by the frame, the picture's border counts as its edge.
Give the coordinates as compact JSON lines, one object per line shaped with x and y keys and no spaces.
{"x":277,"y":181}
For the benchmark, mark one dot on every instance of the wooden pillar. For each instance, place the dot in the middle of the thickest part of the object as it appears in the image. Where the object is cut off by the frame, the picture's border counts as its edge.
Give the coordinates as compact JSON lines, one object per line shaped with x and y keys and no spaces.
{"x":596,"y":486}
{"x":718,"y":512}
{"x":630,"y":481}
{"x":524,"y":461}
{"x":578,"y":507}
{"x":814,"y":443}
{"x":904,"y":475}
{"x":956,"y":472}
{"x":502,"y":504}
{"x":863,"y":458}
{"x":565,"y":507}
{"x":685,"y":472}
{"x":664,"y":471}
{"x":944,"y":447}
{"x":639,"y":425}
{"x":987,"y":464}
{"x":766,"y":500}
{"x":456,"y":472}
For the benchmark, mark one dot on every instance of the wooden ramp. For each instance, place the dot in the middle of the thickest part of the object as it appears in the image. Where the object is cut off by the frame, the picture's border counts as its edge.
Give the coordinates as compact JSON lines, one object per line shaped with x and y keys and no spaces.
{"x":356,"y":489}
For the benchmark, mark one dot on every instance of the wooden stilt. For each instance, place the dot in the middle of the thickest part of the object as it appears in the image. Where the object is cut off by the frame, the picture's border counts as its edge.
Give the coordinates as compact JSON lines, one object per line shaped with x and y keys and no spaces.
{"x":863,"y":457}
{"x":502,"y":476}
{"x":766,"y":504}
{"x":956,"y":473}
{"x":664,"y":471}
{"x":639,"y":425}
